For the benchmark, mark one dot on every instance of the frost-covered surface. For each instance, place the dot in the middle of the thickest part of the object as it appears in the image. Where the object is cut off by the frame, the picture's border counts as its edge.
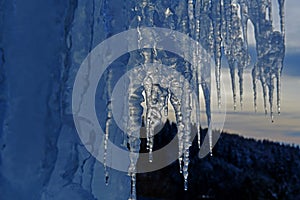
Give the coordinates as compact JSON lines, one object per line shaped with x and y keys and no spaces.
{"x":42,"y":45}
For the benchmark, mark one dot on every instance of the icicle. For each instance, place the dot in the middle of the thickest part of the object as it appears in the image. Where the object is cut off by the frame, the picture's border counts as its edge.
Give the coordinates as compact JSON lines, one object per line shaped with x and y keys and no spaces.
{"x":108,"y":92}
{"x":133,"y":129}
{"x":240,"y":73}
{"x":155,"y":119}
{"x":133,"y":187}
{"x":281,"y":14}
{"x":107,"y":124}
{"x":132,"y":168}
{"x":282,"y":29}
{"x":242,"y":64}
{"x":156,"y":102}
{"x":232,"y":74}
{"x":194,"y":32}
{"x":135,"y":111}
{"x":186,"y":111}
{"x":204,"y":34}
{"x":198,"y":122}
{"x":264,"y":88}
{"x":271,"y":91}
{"x":217,"y":22}
{"x":244,"y":20}
{"x":229,"y":37}
{"x":176,"y":103}
{"x":186,"y":101}
{"x":191,"y":16}
{"x":106,"y":178}
{"x":166,"y":112}
{"x":254,"y":81}
{"x":235,"y":17}
{"x":177,"y":99}
{"x":278,"y":78}
{"x":205,"y":89}
{"x":198,"y":69}
{"x":148,"y":91}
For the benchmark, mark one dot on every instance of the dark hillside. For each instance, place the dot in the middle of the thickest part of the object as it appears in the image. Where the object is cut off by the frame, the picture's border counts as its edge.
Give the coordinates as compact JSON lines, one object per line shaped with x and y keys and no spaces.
{"x":240,"y":169}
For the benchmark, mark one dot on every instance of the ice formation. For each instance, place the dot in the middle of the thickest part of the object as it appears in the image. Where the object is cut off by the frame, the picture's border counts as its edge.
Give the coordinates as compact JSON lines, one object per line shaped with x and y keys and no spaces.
{"x":221,"y":28}
{"x":74,"y":28}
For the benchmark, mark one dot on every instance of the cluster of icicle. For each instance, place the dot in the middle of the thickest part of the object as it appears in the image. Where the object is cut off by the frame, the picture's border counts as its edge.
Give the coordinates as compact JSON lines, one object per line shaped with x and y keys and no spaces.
{"x":220,"y":26}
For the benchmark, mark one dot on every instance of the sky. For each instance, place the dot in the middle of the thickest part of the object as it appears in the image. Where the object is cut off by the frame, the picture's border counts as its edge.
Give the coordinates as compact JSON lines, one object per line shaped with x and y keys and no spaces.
{"x":286,"y":126}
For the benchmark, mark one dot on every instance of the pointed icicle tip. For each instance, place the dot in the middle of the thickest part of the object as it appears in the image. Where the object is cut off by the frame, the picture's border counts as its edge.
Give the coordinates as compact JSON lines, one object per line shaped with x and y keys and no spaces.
{"x":185,"y":185}
{"x":150,"y":157}
{"x":272,"y":117}
{"x":106,"y":179}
